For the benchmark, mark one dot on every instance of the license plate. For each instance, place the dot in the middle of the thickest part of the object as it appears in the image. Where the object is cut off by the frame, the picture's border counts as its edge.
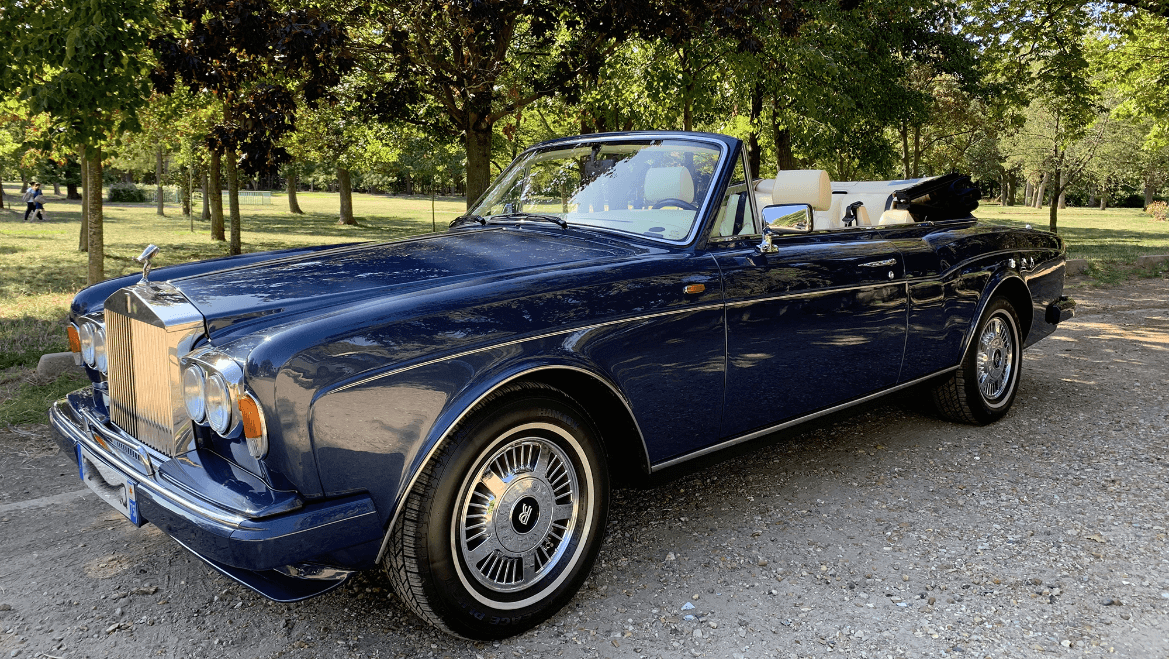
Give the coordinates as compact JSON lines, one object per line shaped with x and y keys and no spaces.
{"x":111,"y":485}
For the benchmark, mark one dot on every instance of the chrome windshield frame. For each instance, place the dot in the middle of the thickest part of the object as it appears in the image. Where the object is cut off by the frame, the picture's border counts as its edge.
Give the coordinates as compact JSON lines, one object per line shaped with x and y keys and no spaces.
{"x":702,"y":214}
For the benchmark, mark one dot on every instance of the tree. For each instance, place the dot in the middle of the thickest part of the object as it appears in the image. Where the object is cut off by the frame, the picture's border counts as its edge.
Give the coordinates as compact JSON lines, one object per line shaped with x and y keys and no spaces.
{"x":460,"y":67}
{"x":257,"y":59}
{"x":81,"y":64}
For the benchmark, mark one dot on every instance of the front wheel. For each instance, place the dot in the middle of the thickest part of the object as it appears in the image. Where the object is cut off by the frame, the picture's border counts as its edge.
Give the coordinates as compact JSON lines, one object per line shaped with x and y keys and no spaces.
{"x":503,"y":525}
{"x":982,"y":389}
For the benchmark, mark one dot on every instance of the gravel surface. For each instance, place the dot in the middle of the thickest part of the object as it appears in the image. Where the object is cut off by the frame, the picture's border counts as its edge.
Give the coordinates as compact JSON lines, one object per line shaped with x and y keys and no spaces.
{"x":884,"y":532}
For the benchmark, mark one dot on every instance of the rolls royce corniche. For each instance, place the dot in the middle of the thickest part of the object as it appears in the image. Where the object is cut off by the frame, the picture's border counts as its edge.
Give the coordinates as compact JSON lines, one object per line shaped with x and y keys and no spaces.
{"x":454,"y":408}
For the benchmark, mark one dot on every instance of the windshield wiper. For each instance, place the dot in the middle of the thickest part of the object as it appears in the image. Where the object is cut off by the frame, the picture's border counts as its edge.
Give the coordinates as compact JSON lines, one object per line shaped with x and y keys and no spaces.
{"x":468,"y":218}
{"x":533,"y":216}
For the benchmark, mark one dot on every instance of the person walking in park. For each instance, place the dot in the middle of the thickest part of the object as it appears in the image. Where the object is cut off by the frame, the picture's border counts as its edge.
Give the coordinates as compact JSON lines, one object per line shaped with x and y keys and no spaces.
{"x":29,"y":194}
{"x":35,"y":200}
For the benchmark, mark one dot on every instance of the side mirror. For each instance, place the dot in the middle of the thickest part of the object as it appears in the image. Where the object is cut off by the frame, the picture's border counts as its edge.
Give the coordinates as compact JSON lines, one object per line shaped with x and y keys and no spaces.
{"x":788,"y":218}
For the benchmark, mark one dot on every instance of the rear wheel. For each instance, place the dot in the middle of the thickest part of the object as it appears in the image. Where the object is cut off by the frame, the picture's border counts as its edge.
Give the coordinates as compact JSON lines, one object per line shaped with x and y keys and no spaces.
{"x":982,"y":389}
{"x":503,"y":525}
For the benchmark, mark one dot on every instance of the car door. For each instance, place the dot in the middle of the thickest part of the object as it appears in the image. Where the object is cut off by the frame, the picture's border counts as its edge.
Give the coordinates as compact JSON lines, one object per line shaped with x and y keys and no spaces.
{"x":820,"y":321}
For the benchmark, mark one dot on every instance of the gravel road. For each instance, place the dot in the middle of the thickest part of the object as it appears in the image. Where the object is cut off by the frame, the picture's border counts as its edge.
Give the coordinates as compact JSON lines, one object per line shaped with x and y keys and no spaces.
{"x":884,"y":532}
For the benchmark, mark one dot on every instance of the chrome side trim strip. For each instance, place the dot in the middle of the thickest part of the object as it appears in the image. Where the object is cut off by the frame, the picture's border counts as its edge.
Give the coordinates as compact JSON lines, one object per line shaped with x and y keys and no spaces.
{"x":608,"y":323}
{"x":398,"y":505}
{"x":536,"y":337}
{"x":61,"y":423}
{"x":788,"y":424}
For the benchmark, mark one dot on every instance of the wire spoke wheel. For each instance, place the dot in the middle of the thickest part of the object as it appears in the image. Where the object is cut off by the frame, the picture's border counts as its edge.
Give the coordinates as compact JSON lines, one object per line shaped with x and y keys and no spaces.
{"x":504,"y":523}
{"x":517,"y":513}
{"x":995,"y":359}
{"x":982,"y":388}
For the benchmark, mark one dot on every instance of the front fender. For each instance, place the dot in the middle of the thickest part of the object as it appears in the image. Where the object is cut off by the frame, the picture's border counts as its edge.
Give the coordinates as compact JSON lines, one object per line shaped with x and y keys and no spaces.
{"x":376,"y":435}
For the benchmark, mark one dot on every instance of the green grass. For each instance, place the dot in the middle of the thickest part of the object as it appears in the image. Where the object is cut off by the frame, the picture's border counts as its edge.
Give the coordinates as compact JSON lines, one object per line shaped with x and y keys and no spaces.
{"x":1111,"y":240}
{"x":26,"y":399}
{"x":41,"y":268}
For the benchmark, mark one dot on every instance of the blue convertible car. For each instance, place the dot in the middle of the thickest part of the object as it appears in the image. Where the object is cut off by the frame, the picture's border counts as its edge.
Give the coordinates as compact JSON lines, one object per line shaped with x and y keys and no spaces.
{"x":455,"y":407}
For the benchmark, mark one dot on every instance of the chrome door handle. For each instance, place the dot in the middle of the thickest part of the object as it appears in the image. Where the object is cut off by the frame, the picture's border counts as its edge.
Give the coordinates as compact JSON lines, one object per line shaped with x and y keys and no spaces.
{"x":879,"y":264}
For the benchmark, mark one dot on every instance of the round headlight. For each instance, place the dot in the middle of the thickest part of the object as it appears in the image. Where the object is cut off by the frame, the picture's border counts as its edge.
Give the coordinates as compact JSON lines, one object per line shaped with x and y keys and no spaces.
{"x":219,"y":404}
{"x":194,"y":391}
{"x":86,"y":334}
{"x":99,"y":349}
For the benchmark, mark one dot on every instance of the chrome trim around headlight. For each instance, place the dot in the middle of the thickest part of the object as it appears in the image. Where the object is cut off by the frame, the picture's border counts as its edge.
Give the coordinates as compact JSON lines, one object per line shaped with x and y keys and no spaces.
{"x":217,"y":364}
{"x":85,"y":334}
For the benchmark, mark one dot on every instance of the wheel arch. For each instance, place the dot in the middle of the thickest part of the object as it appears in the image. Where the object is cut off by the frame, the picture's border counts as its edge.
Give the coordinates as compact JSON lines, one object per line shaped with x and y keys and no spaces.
{"x":621,"y":437}
{"x":1012,"y":287}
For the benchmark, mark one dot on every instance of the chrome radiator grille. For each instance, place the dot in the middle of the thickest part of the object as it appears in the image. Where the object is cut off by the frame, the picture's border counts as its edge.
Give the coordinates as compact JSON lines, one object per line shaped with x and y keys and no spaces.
{"x":148,"y":328}
{"x":140,"y":388}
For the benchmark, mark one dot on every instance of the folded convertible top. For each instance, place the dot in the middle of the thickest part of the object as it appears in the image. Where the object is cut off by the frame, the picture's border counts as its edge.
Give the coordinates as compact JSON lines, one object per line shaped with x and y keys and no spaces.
{"x":948,"y":197}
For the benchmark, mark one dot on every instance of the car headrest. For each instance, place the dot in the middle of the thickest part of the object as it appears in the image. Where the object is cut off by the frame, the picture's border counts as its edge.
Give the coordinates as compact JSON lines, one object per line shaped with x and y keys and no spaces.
{"x":669,"y":183}
{"x":863,"y":217}
{"x":800,"y":186}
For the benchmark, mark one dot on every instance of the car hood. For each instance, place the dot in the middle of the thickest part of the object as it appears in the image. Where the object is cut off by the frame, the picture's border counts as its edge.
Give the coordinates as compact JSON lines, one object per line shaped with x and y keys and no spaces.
{"x":270,"y":290}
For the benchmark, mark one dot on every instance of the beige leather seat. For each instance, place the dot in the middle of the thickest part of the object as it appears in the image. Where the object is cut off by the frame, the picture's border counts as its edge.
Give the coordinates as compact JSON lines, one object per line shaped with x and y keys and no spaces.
{"x":895,"y":216}
{"x":668,"y":183}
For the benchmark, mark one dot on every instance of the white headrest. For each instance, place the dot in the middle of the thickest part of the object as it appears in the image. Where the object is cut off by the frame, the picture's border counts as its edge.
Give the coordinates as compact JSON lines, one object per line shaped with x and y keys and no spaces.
{"x":800,"y":186}
{"x":669,"y":183}
{"x":895,"y":216}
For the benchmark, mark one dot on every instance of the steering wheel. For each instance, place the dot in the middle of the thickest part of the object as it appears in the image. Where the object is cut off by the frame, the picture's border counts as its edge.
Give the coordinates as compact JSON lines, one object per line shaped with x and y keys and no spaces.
{"x":671,"y":201}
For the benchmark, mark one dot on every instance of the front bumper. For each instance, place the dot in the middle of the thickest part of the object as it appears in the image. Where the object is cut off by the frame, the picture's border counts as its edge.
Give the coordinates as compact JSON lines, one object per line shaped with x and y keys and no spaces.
{"x":266,"y":539}
{"x":1060,"y":310}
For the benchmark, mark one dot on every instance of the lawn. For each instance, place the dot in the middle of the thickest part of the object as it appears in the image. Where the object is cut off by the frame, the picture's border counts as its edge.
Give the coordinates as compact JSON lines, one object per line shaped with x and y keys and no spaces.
{"x":1111,"y":240}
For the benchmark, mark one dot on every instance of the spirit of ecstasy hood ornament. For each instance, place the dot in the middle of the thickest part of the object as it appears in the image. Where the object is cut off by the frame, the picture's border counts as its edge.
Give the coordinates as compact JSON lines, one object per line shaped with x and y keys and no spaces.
{"x":144,"y":258}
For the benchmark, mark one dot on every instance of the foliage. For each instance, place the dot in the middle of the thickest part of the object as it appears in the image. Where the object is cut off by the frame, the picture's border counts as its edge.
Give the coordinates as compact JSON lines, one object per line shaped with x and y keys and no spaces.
{"x":256,"y":58}
{"x":127,"y":193}
{"x":1157,"y":210}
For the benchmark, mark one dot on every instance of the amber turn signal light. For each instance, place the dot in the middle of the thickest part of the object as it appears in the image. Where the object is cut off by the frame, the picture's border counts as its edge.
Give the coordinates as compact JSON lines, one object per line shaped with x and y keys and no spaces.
{"x":692,"y":289}
{"x":250,"y":416}
{"x":74,"y":339}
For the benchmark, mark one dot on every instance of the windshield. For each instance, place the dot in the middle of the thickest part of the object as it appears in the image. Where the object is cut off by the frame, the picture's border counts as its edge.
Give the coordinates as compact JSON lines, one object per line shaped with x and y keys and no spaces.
{"x":647,"y":187}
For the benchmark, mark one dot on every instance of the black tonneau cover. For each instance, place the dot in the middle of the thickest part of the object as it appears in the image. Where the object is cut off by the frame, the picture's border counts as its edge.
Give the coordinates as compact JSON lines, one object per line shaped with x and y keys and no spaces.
{"x":948,"y":197}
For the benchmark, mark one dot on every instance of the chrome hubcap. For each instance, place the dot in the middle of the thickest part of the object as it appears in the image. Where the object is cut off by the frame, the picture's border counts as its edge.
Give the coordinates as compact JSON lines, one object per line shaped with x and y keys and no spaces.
{"x":995,"y":359}
{"x":517,"y":515}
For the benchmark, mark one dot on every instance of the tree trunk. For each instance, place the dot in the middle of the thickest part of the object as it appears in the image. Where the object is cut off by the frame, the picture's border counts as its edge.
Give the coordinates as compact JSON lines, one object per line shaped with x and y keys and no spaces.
{"x":1056,"y":191}
{"x":206,"y":215}
{"x":233,"y":180}
{"x":1092,"y":199}
{"x":1003,"y":189}
{"x":70,"y":192}
{"x":216,"y":195}
{"x":57,"y":189}
{"x":23,"y":185}
{"x":1040,"y":190}
{"x":1063,"y":188}
{"x":1104,"y":196}
{"x":1,"y":195}
{"x":904,"y":131}
{"x":479,"y":159}
{"x":293,"y":206}
{"x":754,"y":136}
{"x":158,"y":173}
{"x":96,"y":242}
{"x":83,"y":236}
{"x":187,"y":185}
{"x":1028,"y":191}
{"x":1012,"y":181}
{"x":344,"y":186}
{"x":917,"y":151}
{"x":1148,"y":192}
